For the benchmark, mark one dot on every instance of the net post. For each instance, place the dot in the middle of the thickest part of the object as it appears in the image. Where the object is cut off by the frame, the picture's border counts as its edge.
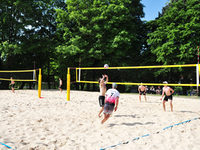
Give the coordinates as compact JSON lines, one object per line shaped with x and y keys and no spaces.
{"x":68,"y":84}
{"x":39,"y":83}
{"x":79,"y":75}
{"x":76,"y":75}
{"x":197,"y":76}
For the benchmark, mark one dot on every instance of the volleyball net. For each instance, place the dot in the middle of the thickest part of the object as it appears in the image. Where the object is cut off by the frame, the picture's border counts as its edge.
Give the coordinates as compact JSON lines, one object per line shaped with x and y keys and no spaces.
{"x":23,"y":76}
{"x":186,"y":75}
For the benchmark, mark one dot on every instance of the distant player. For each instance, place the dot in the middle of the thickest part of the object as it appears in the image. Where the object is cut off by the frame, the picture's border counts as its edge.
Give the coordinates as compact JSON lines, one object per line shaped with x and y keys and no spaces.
{"x":111,"y":102}
{"x":12,"y":84}
{"x":142,"y":91}
{"x":167,"y":91}
{"x":60,"y":84}
{"x":102,"y":86}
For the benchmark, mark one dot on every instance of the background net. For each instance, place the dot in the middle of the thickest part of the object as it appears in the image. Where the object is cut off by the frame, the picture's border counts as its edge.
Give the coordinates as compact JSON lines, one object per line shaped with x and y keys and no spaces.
{"x":185,"y":75}
{"x":24,"y":75}
{"x":182,"y":78}
{"x":24,"y":79}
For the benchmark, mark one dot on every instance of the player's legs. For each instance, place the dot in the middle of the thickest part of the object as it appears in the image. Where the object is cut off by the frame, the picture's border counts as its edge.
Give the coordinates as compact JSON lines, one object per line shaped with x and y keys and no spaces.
{"x":164,"y":105}
{"x":101,"y":104}
{"x":101,"y":110}
{"x":145,"y":97}
{"x":13,"y":89}
{"x":108,"y":109}
{"x":140,"y":98}
{"x":106,"y":116}
{"x":60,"y":88}
{"x":171,"y":105}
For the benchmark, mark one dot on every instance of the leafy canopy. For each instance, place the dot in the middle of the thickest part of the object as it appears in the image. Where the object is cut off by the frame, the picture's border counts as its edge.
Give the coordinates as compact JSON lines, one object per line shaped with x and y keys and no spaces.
{"x":177,"y":33}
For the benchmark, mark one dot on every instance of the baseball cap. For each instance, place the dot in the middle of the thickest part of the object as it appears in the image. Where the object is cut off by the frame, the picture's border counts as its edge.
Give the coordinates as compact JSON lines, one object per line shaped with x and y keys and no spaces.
{"x":165,"y":82}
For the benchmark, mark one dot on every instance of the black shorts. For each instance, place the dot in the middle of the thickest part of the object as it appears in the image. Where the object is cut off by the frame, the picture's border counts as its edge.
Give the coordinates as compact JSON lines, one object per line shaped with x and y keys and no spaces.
{"x":12,"y":85}
{"x":142,"y":93}
{"x":168,"y":97}
{"x":101,"y":101}
{"x":60,"y":86}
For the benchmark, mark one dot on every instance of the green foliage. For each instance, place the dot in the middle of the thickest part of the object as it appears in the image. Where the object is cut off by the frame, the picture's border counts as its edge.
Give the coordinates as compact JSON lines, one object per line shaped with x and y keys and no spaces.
{"x":27,"y":29}
{"x":7,"y":49}
{"x":178,"y":89}
{"x":100,"y":31}
{"x":56,"y":34}
{"x":177,"y":33}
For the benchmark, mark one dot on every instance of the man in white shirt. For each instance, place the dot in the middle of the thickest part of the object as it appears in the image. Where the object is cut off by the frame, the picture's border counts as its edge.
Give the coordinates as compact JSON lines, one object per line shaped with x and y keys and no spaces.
{"x":111,"y":102}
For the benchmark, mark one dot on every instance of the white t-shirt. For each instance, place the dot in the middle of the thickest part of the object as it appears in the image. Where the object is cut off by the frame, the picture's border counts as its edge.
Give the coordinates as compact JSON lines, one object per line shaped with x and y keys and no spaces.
{"x":111,"y":95}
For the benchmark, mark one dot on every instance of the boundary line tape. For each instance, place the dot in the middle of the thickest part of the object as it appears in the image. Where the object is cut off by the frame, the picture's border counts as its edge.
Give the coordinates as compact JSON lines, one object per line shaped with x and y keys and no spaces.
{"x":7,"y":146}
{"x":146,"y":135}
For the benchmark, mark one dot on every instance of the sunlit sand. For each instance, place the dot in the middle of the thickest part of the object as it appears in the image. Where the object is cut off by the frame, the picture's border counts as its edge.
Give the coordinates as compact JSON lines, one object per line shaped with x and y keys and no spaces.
{"x":52,"y":123}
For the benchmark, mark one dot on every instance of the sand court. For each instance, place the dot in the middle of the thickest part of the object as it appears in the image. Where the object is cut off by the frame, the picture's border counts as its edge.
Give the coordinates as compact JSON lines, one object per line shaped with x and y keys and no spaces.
{"x":52,"y":123}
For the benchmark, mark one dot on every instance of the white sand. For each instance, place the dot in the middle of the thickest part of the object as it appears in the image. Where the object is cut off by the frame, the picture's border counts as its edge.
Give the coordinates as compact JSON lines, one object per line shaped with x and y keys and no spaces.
{"x":51,"y":123}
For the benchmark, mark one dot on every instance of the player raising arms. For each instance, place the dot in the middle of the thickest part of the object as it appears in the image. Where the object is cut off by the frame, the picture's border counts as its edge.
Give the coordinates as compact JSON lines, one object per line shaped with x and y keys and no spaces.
{"x":102,"y":87}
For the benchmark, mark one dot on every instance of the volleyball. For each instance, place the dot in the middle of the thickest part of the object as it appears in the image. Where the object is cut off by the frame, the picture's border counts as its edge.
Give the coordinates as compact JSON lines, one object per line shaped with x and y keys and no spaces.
{"x":106,"y":66}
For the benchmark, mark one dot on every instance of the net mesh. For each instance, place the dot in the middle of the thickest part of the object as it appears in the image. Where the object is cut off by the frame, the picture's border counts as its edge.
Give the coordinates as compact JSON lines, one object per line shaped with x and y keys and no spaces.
{"x":19,"y":75}
{"x":176,"y":76}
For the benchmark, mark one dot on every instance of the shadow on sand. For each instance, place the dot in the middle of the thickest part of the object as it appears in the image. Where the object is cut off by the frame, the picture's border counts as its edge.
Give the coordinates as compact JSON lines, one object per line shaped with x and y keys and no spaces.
{"x":132,"y":116}
{"x":131,"y":124}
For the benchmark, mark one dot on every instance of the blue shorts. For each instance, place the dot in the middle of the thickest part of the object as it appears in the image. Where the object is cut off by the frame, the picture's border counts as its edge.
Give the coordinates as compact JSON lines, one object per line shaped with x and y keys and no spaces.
{"x":108,"y":108}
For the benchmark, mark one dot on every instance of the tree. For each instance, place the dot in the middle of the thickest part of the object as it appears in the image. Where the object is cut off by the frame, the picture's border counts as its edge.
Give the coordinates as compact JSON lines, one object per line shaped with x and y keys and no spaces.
{"x":28,"y":33}
{"x":177,"y":35}
{"x":97,"y":32}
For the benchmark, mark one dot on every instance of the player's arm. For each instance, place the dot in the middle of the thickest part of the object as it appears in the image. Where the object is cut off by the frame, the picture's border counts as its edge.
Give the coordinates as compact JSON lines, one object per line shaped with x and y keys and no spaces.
{"x":101,"y":79}
{"x":162,"y":94}
{"x":116,"y":104}
{"x":105,"y":76}
{"x":172,"y":91}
